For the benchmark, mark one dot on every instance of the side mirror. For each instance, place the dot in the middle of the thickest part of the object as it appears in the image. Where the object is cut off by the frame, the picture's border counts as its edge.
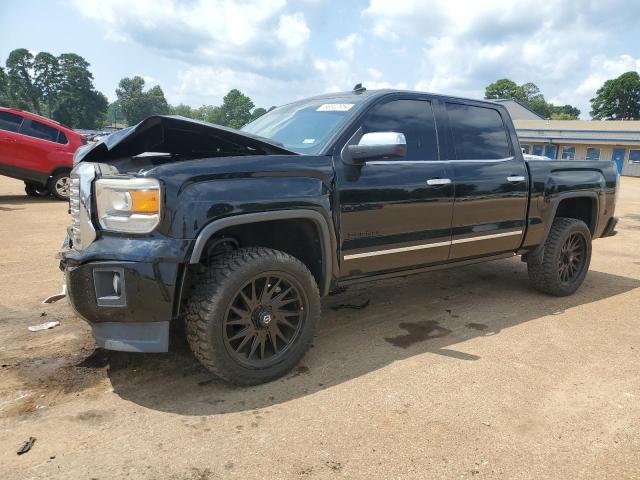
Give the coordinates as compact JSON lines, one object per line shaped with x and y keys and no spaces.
{"x":378,"y":145}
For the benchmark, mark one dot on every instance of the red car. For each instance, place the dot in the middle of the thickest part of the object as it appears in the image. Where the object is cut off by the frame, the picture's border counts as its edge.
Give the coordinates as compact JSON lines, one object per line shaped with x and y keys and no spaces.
{"x":38,"y":151}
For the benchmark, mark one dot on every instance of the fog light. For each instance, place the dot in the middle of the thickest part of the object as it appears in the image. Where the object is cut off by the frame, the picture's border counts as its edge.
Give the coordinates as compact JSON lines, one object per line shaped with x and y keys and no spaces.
{"x":116,"y":284}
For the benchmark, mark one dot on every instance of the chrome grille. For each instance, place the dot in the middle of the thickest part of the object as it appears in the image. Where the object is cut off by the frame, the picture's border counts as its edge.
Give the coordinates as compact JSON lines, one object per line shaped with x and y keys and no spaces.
{"x":81,"y":230}
{"x":74,"y":208}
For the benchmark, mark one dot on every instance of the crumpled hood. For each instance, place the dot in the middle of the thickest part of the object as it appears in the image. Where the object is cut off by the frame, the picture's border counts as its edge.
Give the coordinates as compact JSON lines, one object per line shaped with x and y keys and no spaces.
{"x":178,"y":135}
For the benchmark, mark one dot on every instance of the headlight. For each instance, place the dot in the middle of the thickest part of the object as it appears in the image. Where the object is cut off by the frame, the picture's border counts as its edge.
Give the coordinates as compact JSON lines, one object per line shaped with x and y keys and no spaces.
{"x":129,"y":205}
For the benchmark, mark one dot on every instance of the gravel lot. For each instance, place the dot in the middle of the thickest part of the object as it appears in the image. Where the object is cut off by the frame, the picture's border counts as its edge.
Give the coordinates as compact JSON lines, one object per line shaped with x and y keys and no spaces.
{"x":465,"y":373}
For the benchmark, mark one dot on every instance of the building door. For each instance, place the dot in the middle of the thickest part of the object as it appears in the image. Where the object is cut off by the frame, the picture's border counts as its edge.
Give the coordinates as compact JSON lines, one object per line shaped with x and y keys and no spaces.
{"x":491,"y":183}
{"x":396,"y":213}
{"x":618,"y":156}
{"x":537,"y":150}
{"x":551,"y":151}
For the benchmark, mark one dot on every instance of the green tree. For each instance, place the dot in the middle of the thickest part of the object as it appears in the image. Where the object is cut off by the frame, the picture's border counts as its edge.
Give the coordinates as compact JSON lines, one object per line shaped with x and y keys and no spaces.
{"x":22,"y":93}
{"x":564,"y":112}
{"x":136,"y":103}
{"x":618,"y":98}
{"x":503,"y":88}
{"x":236,"y":108}
{"x":114,"y":116}
{"x":4,"y":89}
{"x":47,"y":79}
{"x":257,"y":113}
{"x":184,"y":111}
{"x":78,"y":104}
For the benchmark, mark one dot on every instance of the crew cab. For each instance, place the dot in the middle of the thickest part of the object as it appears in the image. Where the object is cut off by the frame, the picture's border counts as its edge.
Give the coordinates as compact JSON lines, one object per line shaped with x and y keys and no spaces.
{"x":38,"y":151}
{"x":240,"y":232}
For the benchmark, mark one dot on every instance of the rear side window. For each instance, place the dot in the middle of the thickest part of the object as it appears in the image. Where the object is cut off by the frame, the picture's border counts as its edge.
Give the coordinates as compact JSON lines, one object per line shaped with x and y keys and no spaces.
{"x":478,"y":133}
{"x":10,"y":122}
{"x":40,"y":130}
{"x":413,"y":118}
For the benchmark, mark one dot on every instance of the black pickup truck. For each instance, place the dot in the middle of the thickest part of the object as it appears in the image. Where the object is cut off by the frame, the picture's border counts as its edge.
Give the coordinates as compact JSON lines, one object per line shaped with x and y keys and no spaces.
{"x":240,"y":232}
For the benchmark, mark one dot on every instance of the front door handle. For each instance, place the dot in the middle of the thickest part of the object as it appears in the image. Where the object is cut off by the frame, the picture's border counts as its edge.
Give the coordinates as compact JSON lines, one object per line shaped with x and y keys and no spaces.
{"x":438,"y":181}
{"x":516,"y":179}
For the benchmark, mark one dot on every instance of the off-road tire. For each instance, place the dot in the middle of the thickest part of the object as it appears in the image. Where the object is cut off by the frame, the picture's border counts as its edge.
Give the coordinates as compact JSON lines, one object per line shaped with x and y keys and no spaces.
{"x":54,"y":183}
{"x":544,"y":273}
{"x":35,"y":190}
{"x":215,"y":290}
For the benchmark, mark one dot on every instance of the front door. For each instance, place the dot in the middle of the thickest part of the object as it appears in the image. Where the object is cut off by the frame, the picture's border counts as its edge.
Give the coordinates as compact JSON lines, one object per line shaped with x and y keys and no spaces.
{"x":396,"y":213}
{"x":491,"y":183}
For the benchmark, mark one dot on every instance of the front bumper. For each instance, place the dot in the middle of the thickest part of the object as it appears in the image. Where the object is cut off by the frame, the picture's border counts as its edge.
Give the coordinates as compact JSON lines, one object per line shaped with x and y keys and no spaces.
{"x":128,"y":304}
{"x":610,"y":229}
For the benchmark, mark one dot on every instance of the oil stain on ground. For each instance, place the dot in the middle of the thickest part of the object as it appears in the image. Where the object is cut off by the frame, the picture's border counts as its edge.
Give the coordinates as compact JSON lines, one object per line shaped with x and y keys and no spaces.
{"x":418,"y":332}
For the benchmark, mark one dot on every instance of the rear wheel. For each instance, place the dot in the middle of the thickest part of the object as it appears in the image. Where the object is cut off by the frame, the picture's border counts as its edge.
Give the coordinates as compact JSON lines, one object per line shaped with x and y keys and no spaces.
{"x":60,"y":185}
{"x":252,"y":318}
{"x":563,"y":264}
{"x":35,"y":190}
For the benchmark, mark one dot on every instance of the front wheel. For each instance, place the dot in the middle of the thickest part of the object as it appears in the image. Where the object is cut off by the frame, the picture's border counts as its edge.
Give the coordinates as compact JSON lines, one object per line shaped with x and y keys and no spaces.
{"x":60,"y":185}
{"x":253,"y":316}
{"x":563,"y":264}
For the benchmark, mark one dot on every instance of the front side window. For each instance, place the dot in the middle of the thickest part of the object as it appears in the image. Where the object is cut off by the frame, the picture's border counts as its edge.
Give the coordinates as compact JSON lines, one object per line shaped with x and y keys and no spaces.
{"x":10,"y":122}
{"x":634,"y":156}
{"x":62,"y":138}
{"x":414,"y":119}
{"x":593,"y":153}
{"x":478,"y":132}
{"x":40,"y":130}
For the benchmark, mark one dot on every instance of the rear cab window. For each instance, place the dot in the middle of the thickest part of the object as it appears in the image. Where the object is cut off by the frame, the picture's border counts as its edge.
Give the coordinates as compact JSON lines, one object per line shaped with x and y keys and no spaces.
{"x":36,"y":129}
{"x":10,"y":122}
{"x":478,"y":132}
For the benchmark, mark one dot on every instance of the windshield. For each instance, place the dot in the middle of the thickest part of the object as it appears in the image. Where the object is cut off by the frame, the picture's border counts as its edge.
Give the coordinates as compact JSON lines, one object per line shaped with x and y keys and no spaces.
{"x":304,"y":127}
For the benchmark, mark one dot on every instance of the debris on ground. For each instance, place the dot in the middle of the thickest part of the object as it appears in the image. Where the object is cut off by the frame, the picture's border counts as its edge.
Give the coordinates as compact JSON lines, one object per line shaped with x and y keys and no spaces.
{"x":337,"y":291}
{"x":57,"y":296}
{"x":44,"y":326}
{"x":26,"y":446}
{"x":353,"y":306}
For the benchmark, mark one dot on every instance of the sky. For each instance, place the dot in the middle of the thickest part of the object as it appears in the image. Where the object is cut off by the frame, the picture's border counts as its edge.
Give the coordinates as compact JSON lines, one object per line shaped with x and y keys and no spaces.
{"x":278,"y":51}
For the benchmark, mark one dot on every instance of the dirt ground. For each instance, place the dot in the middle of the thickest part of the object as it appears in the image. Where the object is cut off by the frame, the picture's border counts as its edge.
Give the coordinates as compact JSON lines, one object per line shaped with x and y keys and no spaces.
{"x":465,"y":373}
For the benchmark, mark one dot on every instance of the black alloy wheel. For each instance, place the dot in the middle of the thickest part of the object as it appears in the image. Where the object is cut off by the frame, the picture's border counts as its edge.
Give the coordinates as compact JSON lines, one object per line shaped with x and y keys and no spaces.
{"x":572,"y":257}
{"x":252,"y":314}
{"x":264,"y":319}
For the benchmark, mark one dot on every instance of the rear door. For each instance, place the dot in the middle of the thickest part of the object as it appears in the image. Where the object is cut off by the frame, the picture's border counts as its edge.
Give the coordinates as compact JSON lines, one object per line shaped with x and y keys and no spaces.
{"x":396,"y":213}
{"x":9,"y":126}
{"x":491,"y":182}
{"x":38,"y":145}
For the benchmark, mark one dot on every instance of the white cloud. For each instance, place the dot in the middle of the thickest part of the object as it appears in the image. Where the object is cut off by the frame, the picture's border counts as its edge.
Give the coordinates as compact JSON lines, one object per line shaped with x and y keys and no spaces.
{"x":293,"y":30}
{"x":347,"y":45}
{"x":561,"y":45}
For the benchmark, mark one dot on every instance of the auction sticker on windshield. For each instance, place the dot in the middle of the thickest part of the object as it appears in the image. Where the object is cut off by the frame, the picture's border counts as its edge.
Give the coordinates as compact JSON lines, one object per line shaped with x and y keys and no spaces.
{"x":335,"y":107}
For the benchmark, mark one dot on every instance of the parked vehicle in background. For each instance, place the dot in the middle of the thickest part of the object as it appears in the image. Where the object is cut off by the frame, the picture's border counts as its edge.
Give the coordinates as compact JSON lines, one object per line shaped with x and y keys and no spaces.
{"x":240,"y":232}
{"x":38,"y":151}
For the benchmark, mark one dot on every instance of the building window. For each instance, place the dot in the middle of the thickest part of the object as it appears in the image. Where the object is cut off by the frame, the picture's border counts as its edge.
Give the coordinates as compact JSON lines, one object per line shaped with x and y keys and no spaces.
{"x":568,"y":153}
{"x":551,"y":151}
{"x":526,"y":148}
{"x":634,"y":156}
{"x":617,"y":155}
{"x":537,"y":149}
{"x":593,"y":153}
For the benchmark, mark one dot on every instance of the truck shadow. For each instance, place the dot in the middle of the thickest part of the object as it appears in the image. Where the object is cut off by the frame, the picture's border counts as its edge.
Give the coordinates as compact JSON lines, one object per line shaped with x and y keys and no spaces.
{"x":406,"y":317}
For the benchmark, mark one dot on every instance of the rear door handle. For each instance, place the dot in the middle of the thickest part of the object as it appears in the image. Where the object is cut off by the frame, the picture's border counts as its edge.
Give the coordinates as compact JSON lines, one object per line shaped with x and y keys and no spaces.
{"x":438,"y":181}
{"x":516,"y":179}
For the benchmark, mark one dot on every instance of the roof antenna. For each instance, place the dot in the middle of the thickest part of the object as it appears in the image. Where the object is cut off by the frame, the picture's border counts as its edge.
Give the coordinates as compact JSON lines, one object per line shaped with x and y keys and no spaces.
{"x":359,"y":88}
